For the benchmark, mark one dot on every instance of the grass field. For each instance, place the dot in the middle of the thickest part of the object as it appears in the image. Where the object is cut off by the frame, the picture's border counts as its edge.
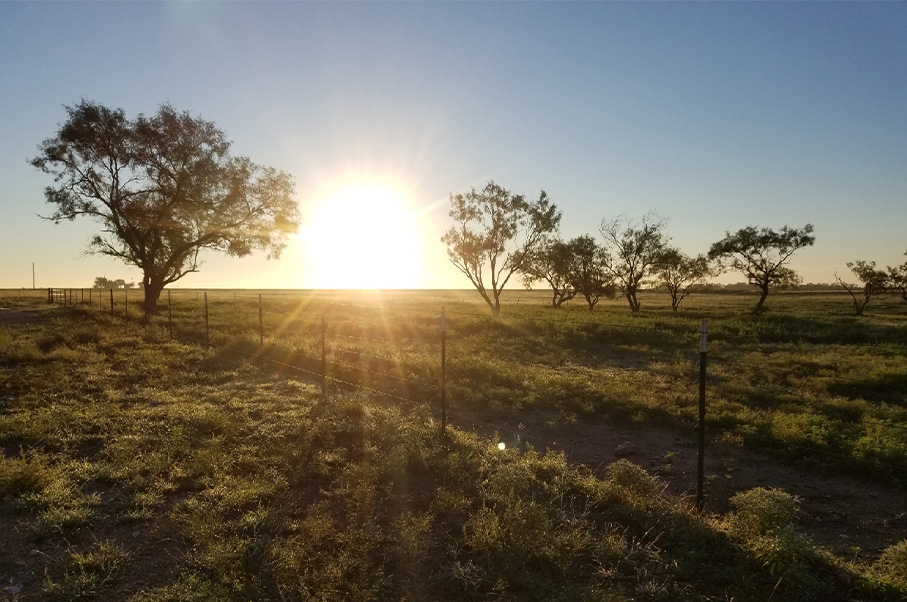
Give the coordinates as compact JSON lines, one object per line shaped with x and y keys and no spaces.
{"x":210,"y":467}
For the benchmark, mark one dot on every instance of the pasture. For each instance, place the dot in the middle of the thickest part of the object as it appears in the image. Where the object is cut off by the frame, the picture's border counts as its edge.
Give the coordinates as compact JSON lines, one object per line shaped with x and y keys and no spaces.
{"x":203,"y":456}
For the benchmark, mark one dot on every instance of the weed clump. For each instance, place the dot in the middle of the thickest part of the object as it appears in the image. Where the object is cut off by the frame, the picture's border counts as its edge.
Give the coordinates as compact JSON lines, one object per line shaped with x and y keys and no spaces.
{"x":764,"y":522}
{"x":88,"y":574}
{"x":634,"y":479}
{"x":21,"y":476}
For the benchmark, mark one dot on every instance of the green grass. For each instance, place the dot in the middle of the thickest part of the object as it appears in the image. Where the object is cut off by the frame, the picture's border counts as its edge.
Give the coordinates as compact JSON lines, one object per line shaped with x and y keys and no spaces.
{"x":805,"y":379}
{"x":144,"y":469}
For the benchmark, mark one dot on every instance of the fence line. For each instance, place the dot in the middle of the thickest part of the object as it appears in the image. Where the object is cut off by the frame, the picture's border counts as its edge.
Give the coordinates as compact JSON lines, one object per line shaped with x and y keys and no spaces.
{"x":67,"y":296}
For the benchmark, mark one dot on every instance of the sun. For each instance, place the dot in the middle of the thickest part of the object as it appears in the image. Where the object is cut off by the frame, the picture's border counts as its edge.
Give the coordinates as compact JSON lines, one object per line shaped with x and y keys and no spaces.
{"x":361,"y":236}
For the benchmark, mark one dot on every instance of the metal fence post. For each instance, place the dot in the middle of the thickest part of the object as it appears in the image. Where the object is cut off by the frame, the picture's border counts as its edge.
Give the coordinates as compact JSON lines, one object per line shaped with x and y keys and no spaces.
{"x":111,"y":302}
{"x":261,"y":325}
{"x":700,"y":459}
{"x":207,"y":335}
{"x":169,"y":315}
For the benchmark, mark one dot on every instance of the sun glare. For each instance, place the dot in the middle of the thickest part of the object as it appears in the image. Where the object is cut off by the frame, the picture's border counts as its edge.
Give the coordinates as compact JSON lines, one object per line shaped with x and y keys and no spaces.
{"x":362,"y":236}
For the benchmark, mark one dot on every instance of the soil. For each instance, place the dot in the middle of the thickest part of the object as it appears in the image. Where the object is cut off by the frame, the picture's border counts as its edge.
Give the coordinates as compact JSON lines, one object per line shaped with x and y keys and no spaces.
{"x":851,"y":516}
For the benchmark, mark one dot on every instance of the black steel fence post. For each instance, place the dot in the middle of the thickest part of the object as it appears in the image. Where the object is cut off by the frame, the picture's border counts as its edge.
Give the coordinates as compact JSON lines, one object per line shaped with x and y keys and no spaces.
{"x":207,"y":334}
{"x":261,"y":324}
{"x":169,"y":315}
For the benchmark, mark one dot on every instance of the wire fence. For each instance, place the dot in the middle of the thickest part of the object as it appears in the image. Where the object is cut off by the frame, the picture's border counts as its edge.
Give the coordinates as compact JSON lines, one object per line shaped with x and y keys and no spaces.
{"x":343,"y":349}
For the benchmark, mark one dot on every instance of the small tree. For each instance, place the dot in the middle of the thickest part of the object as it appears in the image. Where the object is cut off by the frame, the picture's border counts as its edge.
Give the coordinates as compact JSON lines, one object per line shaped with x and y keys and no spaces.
{"x":551,"y":263}
{"x":162,"y":188}
{"x":103,"y":282}
{"x":679,"y":274}
{"x":633,"y":251}
{"x":897,"y":278}
{"x":495,"y":235}
{"x":762,"y":255}
{"x":873,"y":282}
{"x":587,"y":270}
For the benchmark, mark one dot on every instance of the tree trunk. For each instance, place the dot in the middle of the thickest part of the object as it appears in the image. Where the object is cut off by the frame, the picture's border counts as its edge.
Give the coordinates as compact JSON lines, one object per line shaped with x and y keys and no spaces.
{"x":630,"y":294}
{"x":758,"y":308}
{"x":153,"y":287}
{"x":496,"y":306}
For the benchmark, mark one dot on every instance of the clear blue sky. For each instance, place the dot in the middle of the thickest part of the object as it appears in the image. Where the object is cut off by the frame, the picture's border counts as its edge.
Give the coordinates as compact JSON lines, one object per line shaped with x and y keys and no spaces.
{"x":717,"y":115}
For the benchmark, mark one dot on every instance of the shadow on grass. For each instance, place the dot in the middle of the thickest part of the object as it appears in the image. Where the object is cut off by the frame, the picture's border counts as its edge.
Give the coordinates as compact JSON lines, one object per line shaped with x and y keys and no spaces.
{"x":796,"y":329}
{"x":888,"y":388}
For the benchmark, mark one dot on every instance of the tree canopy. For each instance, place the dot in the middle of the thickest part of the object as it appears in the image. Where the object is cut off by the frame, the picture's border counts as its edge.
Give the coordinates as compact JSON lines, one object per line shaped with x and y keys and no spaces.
{"x":162,"y":188}
{"x":634,"y":250}
{"x":551,"y":262}
{"x":873,"y":280}
{"x":587,"y":272}
{"x":495,"y":235}
{"x":897,"y":278}
{"x":762,"y":255}
{"x":679,"y":273}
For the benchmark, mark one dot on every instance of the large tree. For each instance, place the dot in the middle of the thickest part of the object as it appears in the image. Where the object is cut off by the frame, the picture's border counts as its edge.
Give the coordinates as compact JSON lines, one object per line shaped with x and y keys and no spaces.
{"x":162,"y":188}
{"x":679,"y":274}
{"x":551,"y":263}
{"x":873,"y":281}
{"x":588,"y":274}
{"x":762,"y":255}
{"x":634,"y":251}
{"x":495,"y":235}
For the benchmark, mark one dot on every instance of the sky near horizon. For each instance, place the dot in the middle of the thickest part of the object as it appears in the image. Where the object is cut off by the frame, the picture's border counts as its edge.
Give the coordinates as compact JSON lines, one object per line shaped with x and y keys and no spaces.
{"x":715,"y":115}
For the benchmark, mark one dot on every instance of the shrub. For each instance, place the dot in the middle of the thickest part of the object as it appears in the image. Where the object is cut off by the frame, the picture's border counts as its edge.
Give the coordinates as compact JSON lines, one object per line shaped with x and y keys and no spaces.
{"x":634,"y":479}
{"x":764,"y":521}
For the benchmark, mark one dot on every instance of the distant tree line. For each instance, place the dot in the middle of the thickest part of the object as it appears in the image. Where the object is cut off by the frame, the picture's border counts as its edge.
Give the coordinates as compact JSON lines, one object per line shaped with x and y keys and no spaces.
{"x":103,"y":282}
{"x":498,"y":234}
